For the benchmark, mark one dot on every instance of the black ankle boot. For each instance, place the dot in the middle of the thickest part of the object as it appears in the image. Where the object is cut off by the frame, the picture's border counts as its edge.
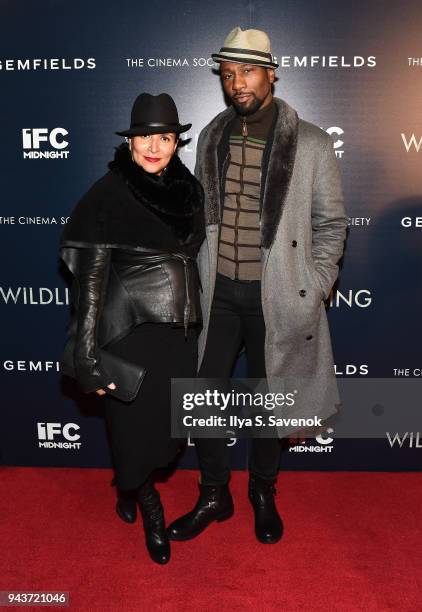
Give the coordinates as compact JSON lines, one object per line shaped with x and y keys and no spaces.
{"x":156,"y":537}
{"x":268,"y":523}
{"x":214,"y":504}
{"x":126,"y":505}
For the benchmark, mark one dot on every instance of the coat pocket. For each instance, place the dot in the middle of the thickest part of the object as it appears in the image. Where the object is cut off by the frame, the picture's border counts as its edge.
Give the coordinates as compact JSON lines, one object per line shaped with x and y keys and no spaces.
{"x":311,"y":275}
{"x":315,"y":279}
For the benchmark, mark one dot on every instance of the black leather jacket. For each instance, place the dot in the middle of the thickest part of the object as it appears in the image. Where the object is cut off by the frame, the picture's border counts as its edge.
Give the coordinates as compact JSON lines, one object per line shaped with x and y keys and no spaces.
{"x":130,"y":244}
{"x":118,"y":287}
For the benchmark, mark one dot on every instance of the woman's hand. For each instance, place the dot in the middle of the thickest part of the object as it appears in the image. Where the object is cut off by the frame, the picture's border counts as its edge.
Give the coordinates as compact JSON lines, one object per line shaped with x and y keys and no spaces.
{"x":92,"y":272}
{"x":102,"y":392}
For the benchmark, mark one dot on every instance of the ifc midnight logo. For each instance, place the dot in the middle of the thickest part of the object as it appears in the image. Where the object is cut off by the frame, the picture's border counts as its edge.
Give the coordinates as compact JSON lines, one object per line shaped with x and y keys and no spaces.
{"x":42,"y":143}
{"x":48,"y":433}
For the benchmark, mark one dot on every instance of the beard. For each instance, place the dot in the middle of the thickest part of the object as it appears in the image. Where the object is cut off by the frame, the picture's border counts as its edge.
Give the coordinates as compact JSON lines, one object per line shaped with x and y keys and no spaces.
{"x":247,"y":108}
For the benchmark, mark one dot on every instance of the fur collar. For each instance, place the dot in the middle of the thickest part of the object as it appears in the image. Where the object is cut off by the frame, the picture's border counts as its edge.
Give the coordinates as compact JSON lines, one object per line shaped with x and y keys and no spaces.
{"x":278,"y":175}
{"x":207,"y":163}
{"x":176,"y":196}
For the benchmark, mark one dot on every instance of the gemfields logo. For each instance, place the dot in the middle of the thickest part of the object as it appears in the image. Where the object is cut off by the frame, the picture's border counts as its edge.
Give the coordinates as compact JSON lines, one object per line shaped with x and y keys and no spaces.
{"x":412,"y":222}
{"x":327,"y":61}
{"x":23,"y":365}
{"x":351,"y":369}
{"x":27,"y":64}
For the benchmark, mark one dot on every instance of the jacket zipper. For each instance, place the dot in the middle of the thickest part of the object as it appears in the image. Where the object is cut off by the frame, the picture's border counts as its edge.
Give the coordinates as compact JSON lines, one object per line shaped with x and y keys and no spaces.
{"x":244,"y":128}
{"x":236,"y":221}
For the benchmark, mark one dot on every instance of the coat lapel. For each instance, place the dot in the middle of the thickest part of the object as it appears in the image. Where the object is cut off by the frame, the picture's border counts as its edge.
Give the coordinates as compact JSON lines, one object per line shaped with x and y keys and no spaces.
{"x":207,"y":166}
{"x":279,"y":171}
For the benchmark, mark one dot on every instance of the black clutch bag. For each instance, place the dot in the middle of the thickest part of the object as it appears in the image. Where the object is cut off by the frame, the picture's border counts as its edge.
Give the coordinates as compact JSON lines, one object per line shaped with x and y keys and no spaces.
{"x":126,"y":376}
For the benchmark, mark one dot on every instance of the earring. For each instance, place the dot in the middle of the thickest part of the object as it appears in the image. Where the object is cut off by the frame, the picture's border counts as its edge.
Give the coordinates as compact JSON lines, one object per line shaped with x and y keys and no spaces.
{"x":130,"y":150}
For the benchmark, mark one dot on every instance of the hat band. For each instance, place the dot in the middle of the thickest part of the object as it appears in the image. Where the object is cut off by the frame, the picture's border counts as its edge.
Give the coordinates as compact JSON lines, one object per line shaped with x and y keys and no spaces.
{"x":242,"y":59}
{"x":247,"y":51}
{"x":141,"y":125}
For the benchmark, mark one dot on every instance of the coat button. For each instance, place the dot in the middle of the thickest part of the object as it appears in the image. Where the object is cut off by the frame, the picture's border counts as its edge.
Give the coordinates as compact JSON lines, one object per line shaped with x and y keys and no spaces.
{"x":294,"y":243}
{"x":309,"y":337}
{"x":302,"y":293}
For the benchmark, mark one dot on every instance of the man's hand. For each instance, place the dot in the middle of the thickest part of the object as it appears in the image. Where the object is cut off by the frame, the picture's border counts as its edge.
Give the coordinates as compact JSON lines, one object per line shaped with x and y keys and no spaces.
{"x":102,"y":392}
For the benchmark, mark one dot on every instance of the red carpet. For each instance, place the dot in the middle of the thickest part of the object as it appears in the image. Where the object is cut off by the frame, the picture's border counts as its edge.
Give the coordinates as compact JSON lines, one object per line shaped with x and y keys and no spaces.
{"x":352,"y":542}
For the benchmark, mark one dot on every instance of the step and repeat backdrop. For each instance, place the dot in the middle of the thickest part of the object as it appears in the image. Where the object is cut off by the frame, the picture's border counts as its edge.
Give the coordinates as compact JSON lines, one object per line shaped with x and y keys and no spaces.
{"x":69,"y":73}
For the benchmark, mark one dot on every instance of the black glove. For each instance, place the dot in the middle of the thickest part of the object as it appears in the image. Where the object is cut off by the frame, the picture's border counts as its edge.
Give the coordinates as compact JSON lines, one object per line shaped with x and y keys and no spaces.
{"x":93,"y":273}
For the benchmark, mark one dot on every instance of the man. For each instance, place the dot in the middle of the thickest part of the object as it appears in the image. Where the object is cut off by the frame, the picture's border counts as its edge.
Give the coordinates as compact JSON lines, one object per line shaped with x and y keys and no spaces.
{"x":275,"y":232}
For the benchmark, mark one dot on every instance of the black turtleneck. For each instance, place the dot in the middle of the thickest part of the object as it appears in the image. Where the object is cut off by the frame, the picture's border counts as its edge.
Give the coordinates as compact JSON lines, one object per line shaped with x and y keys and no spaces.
{"x":258,"y":124}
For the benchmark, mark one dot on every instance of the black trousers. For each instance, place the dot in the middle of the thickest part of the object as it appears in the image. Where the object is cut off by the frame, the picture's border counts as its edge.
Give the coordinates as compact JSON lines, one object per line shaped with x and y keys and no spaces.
{"x":236,"y":320}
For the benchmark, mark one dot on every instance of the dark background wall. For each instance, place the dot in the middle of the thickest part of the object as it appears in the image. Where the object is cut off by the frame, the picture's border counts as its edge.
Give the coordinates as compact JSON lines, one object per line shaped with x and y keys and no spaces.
{"x":353,"y":68}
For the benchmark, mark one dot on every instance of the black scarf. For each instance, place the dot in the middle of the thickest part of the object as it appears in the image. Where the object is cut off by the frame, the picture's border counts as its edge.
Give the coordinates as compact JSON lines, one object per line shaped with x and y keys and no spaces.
{"x":176,"y":197}
{"x":129,"y":206}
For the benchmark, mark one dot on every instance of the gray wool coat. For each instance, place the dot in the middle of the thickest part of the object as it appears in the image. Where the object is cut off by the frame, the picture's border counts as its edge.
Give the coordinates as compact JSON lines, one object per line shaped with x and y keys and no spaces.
{"x":303,"y":228}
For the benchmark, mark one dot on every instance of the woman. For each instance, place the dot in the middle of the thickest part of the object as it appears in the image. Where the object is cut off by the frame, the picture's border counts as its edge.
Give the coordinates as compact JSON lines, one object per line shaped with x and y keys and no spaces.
{"x":131,"y":244}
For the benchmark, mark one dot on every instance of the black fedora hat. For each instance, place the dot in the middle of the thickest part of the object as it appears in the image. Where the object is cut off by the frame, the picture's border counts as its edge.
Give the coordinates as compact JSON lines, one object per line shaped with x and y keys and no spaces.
{"x":154,"y":115}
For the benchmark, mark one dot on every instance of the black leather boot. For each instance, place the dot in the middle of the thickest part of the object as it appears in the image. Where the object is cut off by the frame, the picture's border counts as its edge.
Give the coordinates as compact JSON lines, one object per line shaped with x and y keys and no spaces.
{"x":156,"y":537}
{"x":215,"y":503}
{"x":268,"y":523}
{"x":126,"y":506}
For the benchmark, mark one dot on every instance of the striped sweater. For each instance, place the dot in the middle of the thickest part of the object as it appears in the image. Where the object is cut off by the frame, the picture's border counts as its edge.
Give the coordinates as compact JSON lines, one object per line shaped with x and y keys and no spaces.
{"x":239,"y":253}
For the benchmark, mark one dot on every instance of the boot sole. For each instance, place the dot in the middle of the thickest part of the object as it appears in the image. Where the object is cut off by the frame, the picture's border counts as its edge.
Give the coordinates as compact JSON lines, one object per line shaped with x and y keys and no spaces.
{"x":159,"y":560}
{"x":270,"y":540}
{"x":220,"y":519}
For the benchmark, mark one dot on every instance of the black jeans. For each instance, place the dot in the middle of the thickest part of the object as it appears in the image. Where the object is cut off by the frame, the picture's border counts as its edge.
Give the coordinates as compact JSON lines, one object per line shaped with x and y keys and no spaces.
{"x":236,"y":320}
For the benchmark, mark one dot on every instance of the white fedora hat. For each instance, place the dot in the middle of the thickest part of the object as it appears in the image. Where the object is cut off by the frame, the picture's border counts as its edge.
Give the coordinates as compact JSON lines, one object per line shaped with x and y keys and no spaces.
{"x":246,"y":47}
